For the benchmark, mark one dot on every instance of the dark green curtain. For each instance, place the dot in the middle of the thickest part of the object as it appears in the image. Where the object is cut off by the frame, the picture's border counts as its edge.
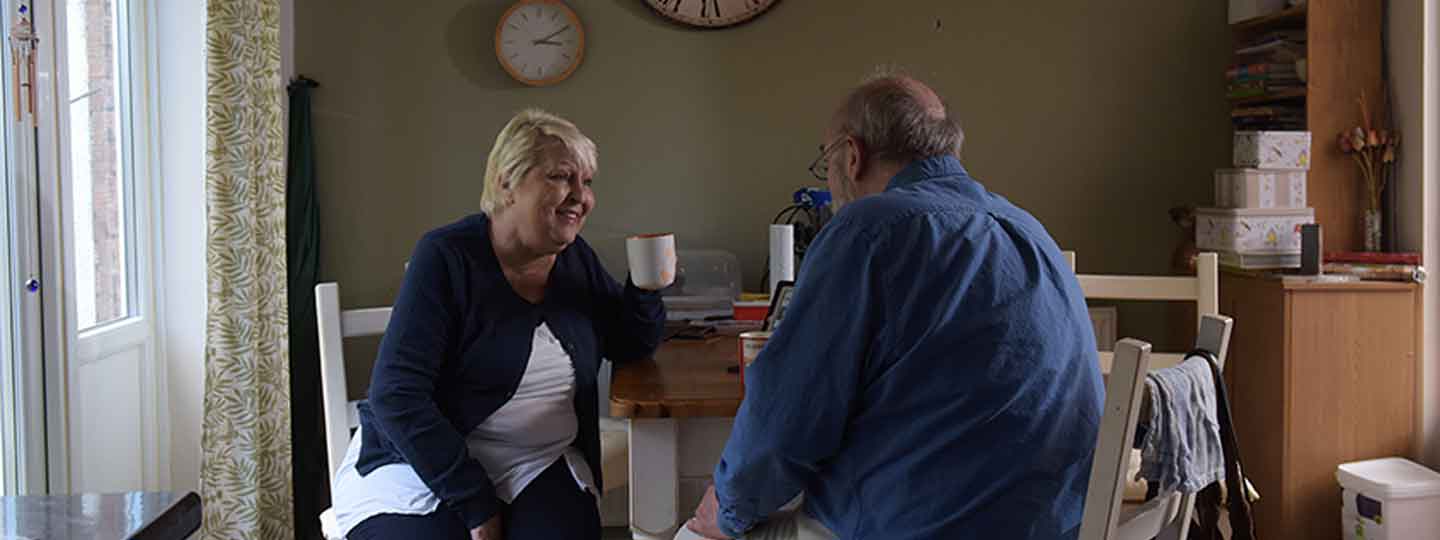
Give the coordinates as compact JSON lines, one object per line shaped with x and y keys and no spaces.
{"x":302,"y":237}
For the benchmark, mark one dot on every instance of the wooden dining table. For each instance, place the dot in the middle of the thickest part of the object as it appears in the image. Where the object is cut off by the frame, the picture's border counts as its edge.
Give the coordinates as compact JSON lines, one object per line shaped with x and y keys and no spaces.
{"x":694,"y":380}
{"x":684,"y":379}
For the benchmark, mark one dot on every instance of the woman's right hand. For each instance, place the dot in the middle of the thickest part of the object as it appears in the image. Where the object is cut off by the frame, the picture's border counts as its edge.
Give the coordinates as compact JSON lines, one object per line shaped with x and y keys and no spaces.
{"x":489,"y":531}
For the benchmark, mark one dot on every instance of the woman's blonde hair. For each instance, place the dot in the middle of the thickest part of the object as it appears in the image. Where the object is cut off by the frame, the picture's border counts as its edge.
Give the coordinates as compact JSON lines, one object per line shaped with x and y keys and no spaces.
{"x":520,"y":146}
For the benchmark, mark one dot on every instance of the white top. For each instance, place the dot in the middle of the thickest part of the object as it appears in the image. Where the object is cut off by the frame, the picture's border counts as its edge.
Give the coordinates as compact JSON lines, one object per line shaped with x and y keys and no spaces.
{"x":515,"y":444}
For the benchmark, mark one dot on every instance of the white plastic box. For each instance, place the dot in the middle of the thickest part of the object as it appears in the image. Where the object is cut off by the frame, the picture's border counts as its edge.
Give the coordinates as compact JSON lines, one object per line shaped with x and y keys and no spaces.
{"x":1251,"y":231}
{"x":1389,"y":499}
{"x":1272,"y":149}
{"x":1260,"y":188}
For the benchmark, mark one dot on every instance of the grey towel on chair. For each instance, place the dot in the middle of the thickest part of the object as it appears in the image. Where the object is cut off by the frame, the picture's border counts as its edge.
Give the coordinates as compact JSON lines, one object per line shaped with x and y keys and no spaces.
{"x":1181,"y":450}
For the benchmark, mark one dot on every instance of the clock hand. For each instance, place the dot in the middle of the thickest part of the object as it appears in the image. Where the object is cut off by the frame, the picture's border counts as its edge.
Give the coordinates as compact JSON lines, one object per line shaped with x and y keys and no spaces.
{"x":552,"y":34}
{"x":547,"y":42}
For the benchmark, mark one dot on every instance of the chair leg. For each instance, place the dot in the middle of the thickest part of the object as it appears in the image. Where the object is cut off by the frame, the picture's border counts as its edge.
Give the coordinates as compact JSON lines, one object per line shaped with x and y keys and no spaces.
{"x":654,"y":478}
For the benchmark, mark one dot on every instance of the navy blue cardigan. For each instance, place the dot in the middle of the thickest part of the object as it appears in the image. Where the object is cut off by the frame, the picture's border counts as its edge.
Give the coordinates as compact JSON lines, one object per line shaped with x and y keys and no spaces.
{"x":459,"y":341}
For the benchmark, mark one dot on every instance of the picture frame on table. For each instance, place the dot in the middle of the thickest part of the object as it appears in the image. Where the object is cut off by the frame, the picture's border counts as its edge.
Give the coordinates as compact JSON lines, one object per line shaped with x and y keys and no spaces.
{"x":779,"y":301}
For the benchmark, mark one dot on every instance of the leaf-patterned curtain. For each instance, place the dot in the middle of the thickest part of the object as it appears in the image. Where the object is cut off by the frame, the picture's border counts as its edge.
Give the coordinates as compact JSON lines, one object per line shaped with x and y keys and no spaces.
{"x":245,"y":470}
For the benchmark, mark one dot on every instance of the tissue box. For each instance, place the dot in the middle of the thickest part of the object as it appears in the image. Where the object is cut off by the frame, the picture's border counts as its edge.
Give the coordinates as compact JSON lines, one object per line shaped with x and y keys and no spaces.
{"x":1259,"y":188}
{"x":1250,"y":230}
{"x":1272,"y":149}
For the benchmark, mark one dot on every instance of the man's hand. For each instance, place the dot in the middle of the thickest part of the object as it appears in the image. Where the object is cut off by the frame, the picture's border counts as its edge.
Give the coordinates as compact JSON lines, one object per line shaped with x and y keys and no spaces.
{"x":706,"y":521}
{"x":489,"y":531}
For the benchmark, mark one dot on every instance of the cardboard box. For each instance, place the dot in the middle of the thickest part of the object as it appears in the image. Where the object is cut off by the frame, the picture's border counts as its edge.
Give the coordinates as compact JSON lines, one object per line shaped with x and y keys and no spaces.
{"x":1272,"y":149}
{"x":1260,"y":188}
{"x":1251,"y":231}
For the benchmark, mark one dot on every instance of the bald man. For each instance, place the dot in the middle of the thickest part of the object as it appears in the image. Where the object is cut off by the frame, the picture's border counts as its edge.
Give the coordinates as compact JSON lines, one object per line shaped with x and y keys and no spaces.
{"x":936,"y":375}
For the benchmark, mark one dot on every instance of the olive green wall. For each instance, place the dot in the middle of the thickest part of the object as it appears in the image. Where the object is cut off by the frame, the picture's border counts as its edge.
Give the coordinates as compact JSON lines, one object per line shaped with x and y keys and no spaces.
{"x":1095,"y":116}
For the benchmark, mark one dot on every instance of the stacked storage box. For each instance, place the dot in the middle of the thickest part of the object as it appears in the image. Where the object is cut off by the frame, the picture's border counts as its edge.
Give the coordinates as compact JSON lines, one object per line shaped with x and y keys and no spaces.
{"x":1260,"y":204}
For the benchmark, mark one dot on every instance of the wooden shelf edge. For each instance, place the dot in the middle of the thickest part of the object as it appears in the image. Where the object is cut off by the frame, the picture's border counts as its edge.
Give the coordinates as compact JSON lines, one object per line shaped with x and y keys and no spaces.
{"x":1288,"y":15}
{"x":1352,"y":286}
{"x":681,"y":408}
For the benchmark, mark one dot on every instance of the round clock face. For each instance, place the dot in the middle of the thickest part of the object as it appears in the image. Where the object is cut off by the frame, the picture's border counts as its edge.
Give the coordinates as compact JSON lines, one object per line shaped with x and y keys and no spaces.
{"x":539,"y":42}
{"x":711,"y":13}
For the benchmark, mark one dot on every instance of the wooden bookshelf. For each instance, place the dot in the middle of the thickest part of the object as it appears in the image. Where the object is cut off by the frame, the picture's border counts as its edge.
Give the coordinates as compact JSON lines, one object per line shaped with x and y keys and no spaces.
{"x":1343,"y":53}
{"x":1298,"y":373}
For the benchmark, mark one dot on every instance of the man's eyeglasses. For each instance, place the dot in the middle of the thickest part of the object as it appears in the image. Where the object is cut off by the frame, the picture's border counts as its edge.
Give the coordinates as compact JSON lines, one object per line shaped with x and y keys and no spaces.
{"x":820,"y":168}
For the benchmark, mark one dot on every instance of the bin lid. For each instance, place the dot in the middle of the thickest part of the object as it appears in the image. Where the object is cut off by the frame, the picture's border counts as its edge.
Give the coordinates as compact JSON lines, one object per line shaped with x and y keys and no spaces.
{"x":1389,"y":478}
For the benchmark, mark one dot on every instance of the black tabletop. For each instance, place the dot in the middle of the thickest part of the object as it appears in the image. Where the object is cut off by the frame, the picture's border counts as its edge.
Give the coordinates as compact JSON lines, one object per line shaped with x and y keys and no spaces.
{"x":99,"y":516}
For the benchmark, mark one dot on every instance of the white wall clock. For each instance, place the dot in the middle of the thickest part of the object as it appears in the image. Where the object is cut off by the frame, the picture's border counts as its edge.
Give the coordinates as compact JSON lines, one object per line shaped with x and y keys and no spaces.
{"x":539,"y":42}
{"x":710,"y":13}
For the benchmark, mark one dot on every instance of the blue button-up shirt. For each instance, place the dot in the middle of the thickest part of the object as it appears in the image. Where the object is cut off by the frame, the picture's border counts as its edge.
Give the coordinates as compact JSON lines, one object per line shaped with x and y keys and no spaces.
{"x":935,"y":376}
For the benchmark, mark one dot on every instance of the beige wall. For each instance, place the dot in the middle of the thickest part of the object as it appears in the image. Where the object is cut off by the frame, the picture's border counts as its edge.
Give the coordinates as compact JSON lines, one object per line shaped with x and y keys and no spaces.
{"x":1413,"y":56}
{"x":1096,"y":119}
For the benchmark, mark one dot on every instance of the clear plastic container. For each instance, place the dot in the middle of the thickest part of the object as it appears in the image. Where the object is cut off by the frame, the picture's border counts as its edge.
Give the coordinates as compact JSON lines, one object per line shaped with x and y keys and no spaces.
{"x":707,"y":281}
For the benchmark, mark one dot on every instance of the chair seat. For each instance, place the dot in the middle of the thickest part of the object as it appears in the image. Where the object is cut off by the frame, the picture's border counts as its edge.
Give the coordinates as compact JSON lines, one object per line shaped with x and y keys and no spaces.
{"x":1143,"y":521}
{"x":329,"y":527}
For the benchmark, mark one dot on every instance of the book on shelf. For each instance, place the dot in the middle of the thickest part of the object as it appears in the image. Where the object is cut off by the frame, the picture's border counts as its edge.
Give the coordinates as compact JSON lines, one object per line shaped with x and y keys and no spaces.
{"x":1372,"y":257}
{"x":1252,"y":89}
{"x":1294,"y":35}
{"x":1378,"y":272}
{"x":1240,"y":71}
{"x":1268,"y":111}
{"x":1266,"y":77}
{"x":1274,"y":52}
{"x":1270,"y":125}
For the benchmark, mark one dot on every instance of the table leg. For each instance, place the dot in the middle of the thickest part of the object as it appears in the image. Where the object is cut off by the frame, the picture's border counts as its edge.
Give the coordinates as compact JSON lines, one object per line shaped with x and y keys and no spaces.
{"x":654,"y":478}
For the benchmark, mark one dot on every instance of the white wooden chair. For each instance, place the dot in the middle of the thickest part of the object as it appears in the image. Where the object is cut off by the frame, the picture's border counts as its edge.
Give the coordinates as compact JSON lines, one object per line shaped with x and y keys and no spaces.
{"x":1105,"y":517}
{"x":342,"y":417}
{"x":1203,"y":289}
{"x":1123,"y":389}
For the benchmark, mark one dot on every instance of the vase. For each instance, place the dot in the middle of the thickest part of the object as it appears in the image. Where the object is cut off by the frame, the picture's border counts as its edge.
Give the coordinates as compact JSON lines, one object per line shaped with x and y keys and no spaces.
{"x":1373,"y":224}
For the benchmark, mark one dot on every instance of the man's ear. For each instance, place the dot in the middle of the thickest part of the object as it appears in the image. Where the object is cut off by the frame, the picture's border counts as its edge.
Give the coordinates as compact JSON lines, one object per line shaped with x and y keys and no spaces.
{"x":855,"y":161}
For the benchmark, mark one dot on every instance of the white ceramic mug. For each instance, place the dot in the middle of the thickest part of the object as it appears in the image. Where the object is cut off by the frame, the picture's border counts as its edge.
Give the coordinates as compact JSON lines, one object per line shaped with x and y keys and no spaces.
{"x":652,"y":260}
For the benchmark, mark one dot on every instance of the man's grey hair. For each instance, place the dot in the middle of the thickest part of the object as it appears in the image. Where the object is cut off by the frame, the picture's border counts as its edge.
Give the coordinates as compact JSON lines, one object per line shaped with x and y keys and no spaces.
{"x":895,"y":123}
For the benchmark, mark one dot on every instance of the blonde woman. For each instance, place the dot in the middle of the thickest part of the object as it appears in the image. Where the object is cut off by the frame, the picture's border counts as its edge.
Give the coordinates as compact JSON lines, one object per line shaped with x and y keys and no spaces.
{"x":481,"y":421}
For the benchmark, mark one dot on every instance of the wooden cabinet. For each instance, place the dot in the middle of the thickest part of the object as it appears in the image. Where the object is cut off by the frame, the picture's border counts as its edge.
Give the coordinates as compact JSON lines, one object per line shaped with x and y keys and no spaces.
{"x":1319,"y":375}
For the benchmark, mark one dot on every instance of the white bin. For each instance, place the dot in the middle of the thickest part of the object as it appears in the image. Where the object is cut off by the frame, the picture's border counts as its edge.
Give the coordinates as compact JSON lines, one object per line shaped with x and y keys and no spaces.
{"x":1389,"y":499}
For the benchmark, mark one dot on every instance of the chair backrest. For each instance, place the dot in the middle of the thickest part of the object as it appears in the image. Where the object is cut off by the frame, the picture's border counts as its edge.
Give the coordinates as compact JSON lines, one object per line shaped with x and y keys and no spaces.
{"x":1124,"y":389}
{"x":1203,"y":289}
{"x":335,"y":325}
{"x":178,"y":521}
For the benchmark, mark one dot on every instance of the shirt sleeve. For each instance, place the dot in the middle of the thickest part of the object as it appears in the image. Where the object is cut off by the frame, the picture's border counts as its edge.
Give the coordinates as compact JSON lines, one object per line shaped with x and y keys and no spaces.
{"x":781,"y":435}
{"x":421,"y":336}
{"x":630,"y":320}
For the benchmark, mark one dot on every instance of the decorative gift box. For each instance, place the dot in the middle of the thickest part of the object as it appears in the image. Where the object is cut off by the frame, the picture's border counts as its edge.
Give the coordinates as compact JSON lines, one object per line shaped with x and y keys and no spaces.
{"x":1251,"y":231}
{"x":1272,"y":149}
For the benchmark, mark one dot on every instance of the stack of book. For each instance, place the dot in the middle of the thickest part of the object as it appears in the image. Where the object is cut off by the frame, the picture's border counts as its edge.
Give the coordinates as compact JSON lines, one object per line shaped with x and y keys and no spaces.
{"x":1376,"y":266}
{"x":1266,"y":84}
{"x":1268,"y":117}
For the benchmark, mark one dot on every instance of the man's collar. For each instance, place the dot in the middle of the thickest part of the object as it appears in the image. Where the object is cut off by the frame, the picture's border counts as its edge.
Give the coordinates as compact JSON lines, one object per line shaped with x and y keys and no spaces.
{"x":925,"y":169}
